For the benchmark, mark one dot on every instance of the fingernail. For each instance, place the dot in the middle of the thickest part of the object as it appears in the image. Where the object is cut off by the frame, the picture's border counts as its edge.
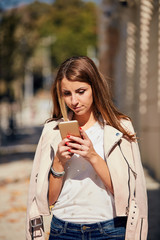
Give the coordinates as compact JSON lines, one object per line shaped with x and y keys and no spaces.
{"x":68,"y":136}
{"x":67,"y":143}
{"x":80,"y":128}
{"x":69,"y":150}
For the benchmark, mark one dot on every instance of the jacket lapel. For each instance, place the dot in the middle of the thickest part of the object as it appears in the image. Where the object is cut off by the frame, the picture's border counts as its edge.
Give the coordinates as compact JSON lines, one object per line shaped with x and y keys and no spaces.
{"x":111,"y":137}
{"x":56,"y":137}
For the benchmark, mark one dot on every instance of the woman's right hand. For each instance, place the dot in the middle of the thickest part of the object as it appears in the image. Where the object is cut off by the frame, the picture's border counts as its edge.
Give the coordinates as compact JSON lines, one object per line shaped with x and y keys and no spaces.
{"x":60,"y":159}
{"x":62,"y":155}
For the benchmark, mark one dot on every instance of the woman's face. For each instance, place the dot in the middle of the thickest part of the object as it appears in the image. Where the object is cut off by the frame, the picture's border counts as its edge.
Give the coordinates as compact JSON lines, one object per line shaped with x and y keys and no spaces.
{"x":78,"y":96}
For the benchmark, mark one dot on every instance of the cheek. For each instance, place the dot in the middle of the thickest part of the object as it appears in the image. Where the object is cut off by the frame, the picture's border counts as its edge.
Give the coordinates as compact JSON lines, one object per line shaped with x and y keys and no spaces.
{"x":90,"y":97}
{"x":66,"y":100}
{"x":88,"y":100}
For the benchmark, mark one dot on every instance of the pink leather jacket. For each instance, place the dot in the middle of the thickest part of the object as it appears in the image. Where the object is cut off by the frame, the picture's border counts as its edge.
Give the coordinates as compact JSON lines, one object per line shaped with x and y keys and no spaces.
{"x":123,"y":159}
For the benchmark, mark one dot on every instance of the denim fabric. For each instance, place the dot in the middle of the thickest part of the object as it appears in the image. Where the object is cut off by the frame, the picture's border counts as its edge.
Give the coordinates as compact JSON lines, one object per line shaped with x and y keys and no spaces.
{"x":107,"y":230}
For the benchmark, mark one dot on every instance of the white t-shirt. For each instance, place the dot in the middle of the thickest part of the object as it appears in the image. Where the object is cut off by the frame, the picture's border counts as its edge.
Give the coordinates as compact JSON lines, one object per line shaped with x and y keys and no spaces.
{"x":84,"y":198}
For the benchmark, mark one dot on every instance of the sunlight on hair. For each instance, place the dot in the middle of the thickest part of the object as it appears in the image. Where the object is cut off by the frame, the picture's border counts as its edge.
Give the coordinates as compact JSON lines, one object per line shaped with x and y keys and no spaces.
{"x":62,"y":103}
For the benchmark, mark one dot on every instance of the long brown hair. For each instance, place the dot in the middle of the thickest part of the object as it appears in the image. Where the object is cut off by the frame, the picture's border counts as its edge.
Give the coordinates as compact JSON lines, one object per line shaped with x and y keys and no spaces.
{"x":83,"y":69}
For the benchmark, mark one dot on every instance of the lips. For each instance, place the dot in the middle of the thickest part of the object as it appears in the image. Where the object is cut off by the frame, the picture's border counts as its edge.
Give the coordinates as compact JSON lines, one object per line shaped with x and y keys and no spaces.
{"x":76,"y":108}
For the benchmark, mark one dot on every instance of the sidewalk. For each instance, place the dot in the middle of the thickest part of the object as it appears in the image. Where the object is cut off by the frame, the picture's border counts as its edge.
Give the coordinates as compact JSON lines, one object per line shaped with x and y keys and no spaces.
{"x":15,"y":168}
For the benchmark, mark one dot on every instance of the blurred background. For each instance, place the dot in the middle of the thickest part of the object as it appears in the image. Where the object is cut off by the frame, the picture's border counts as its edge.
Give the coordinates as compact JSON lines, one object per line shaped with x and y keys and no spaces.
{"x":123,"y":39}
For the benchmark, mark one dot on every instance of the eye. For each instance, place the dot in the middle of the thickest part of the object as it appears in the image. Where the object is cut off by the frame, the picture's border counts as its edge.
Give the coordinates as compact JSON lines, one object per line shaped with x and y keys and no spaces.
{"x":66,"y":93}
{"x":81,"y":91}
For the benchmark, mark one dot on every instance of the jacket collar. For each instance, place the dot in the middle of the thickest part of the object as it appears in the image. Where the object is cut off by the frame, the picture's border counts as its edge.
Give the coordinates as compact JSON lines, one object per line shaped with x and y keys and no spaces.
{"x":111,"y":137}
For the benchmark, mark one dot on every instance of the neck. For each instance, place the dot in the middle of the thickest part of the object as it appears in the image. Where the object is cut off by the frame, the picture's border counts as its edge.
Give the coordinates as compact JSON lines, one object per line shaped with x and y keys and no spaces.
{"x":85,"y":121}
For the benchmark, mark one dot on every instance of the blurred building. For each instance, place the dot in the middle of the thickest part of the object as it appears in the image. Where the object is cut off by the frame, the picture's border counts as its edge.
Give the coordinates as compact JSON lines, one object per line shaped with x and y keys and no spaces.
{"x":129,"y":53}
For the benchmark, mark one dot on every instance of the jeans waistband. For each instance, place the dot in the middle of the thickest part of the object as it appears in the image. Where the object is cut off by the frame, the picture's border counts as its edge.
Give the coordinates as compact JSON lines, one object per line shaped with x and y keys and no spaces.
{"x":85,"y":227}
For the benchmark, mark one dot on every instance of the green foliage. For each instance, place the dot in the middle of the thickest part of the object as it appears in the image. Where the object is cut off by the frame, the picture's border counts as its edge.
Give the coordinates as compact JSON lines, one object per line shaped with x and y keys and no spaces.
{"x":7,"y":45}
{"x":71,"y":25}
{"x":75,"y":30}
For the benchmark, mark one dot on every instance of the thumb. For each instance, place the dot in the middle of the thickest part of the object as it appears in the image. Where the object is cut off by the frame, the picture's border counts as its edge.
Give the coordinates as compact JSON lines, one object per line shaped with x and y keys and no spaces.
{"x":83,"y":134}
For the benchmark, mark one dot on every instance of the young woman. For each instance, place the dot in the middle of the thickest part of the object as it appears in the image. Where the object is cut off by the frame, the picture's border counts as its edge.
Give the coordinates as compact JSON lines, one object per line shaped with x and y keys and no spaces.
{"x":94,"y":183}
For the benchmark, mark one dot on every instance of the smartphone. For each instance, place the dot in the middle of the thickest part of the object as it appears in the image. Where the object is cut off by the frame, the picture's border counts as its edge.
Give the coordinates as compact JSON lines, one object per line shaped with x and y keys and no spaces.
{"x":69,"y":128}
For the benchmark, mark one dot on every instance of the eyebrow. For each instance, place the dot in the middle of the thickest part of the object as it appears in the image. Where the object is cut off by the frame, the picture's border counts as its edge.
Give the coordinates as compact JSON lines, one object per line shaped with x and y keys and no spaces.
{"x":75,"y":90}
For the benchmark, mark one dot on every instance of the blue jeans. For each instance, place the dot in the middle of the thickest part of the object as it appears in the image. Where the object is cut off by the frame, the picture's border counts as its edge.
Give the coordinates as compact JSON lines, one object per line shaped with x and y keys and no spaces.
{"x":113,"y":229}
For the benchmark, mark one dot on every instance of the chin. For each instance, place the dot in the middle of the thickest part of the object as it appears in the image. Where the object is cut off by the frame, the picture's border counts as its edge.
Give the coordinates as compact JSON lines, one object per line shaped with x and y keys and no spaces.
{"x":80,"y":113}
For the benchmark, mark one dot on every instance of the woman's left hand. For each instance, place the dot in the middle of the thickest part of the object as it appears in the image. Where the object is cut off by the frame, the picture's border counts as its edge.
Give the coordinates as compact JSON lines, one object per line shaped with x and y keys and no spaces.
{"x":82,"y":146}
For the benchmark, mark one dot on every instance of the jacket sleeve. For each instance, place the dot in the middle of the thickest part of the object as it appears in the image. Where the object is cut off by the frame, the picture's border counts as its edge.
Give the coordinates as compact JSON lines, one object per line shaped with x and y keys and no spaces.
{"x":32,"y":209}
{"x":141,"y":193}
{"x":140,"y":190}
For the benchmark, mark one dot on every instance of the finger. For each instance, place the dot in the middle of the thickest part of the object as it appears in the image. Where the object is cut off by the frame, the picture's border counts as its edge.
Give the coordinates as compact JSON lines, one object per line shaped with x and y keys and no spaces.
{"x":63,"y":142}
{"x":76,"y":151}
{"x":79,"y":152}
{"x":83,"y":134}
{"x":75,"y":139}
{"x":69,"y":155}
{"x":66,"y":155}
{"x":75,"y":146}
{"x":63,"y":149}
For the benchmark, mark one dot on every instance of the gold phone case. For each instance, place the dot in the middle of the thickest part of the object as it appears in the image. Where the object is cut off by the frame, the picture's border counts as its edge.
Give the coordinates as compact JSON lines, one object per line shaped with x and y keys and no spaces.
{"x":69,"y":128}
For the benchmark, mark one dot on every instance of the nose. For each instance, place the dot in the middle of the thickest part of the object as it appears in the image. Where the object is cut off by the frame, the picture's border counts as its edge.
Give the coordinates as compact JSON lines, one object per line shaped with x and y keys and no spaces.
{"x":74,"y":100}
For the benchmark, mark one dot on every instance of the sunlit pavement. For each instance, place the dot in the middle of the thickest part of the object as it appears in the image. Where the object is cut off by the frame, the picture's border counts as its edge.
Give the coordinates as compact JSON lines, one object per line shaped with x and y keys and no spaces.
{"x":15,"y":169}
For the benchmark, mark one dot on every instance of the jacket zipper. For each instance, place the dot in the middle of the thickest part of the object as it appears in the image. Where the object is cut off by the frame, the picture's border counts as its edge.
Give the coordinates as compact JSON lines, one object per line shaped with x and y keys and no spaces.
{"x":129,"y":187}
{"x":141,"y":228}
{"x":49,"y":207}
